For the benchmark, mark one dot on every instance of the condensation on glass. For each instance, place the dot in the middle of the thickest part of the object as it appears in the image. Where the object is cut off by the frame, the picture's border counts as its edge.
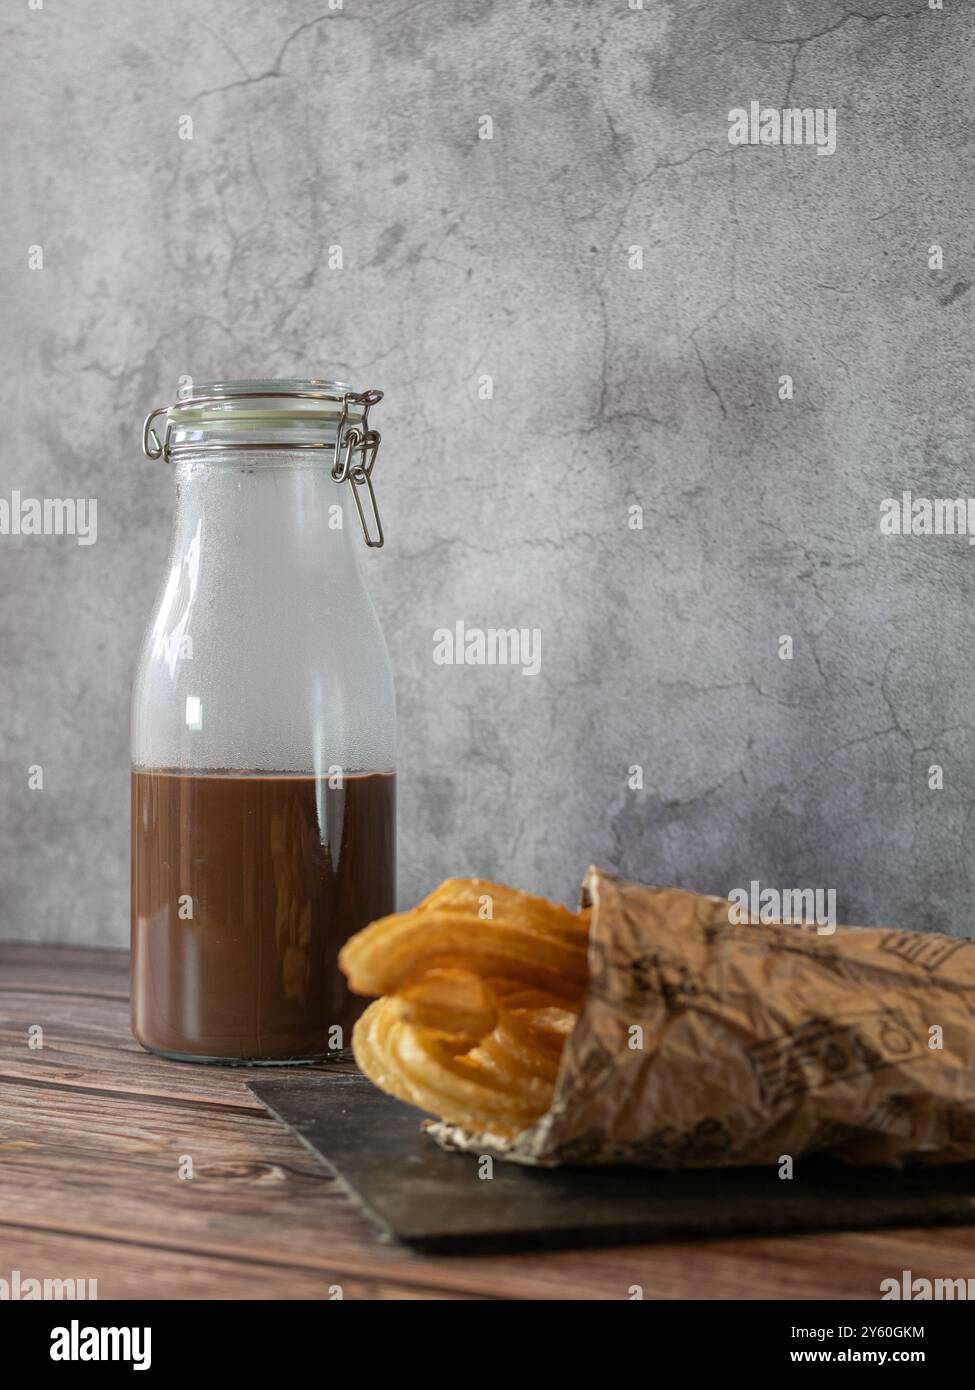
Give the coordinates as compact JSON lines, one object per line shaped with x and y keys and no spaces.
{"x":263,"y":728}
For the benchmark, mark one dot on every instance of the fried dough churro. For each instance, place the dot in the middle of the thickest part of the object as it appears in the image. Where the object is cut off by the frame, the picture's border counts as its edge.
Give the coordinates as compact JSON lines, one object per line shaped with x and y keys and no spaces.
{"x":699,"y":1041}
{"x":481,"y":986}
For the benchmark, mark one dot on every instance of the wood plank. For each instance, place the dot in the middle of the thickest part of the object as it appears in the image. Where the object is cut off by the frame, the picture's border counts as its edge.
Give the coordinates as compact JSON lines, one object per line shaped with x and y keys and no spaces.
{"x":75,"y":969}
{"x":84,"y":1167}
{"x":76,"y":1164}
{"x":91,"y":1129}
{"x":123,"y":1270}
{"x":87,"y":1044}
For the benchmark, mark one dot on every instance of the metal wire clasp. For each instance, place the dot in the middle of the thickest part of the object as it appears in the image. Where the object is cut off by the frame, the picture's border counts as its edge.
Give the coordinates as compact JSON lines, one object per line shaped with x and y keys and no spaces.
{"x":354,"y":450}
{"x":361,"y":439}
{"x":151,"y":446}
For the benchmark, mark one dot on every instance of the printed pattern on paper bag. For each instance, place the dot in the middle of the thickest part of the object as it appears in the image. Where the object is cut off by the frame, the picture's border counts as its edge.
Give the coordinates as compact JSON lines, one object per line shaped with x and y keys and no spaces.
{"x":919,"y":948}
{"x":825,"y":1050}
{"x":706,"y":1143}
{"x":961,"y":1125}
{"x":656,"y":975}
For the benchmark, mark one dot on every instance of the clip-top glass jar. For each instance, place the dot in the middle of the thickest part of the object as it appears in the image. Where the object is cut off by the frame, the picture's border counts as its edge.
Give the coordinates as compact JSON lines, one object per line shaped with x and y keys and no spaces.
{"x":263,"y":729}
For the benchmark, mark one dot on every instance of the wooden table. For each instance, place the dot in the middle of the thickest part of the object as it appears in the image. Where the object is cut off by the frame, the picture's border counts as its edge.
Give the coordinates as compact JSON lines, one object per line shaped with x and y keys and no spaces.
{"x":93,"y":1130}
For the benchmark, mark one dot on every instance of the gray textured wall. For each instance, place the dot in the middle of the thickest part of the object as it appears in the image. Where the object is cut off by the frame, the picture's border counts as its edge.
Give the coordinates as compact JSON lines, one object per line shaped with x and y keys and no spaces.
{"x":612,"y":386}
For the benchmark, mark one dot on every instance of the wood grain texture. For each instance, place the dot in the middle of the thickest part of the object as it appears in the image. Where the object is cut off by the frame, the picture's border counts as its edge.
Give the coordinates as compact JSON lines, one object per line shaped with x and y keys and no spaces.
{"x":93,"y":1130}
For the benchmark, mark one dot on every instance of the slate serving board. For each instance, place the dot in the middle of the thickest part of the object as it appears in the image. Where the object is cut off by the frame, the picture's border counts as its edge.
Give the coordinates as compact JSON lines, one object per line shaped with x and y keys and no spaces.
{"x":434,"y":1201}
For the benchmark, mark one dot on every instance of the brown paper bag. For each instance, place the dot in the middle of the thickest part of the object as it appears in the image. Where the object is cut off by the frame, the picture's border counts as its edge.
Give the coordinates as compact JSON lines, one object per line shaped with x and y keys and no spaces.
{"x":702,"y":1044}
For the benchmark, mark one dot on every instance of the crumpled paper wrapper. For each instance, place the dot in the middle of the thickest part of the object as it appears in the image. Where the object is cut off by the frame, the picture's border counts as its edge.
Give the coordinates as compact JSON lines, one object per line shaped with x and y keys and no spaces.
{"x":701,"y":1044}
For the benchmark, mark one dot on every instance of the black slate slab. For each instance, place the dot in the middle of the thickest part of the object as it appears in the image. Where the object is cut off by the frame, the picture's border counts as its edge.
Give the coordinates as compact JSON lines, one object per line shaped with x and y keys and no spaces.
{"x":414,"y":1192}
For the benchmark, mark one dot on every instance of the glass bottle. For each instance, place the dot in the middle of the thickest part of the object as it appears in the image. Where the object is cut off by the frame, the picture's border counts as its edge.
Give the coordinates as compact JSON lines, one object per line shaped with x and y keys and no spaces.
{"x":263,"y":729}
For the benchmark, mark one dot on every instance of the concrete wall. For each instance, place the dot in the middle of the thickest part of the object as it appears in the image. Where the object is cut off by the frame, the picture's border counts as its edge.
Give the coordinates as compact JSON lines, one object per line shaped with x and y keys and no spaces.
{"x":613,"y":386}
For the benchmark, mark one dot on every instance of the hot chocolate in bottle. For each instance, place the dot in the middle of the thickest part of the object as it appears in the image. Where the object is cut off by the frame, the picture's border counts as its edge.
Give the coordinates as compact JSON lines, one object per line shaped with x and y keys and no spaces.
{"x":263,"y":729}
